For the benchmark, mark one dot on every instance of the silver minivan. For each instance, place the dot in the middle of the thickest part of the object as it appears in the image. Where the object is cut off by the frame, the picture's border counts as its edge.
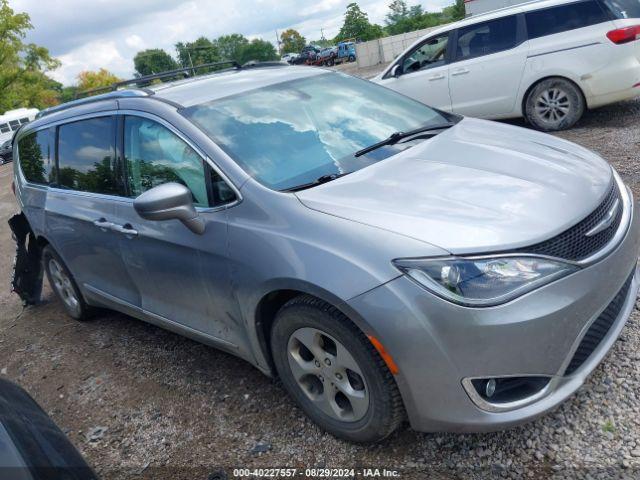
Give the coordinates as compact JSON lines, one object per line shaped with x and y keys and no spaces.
{"x":386,"y":260}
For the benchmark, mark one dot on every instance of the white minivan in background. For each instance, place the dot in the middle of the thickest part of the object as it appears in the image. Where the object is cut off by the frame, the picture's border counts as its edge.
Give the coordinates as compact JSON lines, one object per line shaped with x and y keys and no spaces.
{"x":546,"y":61}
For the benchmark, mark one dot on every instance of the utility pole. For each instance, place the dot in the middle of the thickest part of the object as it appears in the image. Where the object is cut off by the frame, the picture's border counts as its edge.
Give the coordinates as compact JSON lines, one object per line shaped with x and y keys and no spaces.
{"x":278,"y":43}
{"x":193,"y":70}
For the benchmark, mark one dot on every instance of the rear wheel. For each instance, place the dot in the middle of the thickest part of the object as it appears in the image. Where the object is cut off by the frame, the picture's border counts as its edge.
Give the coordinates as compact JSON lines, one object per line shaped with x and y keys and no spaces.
{"x":334,"y":373}
{"x":554,"y":104}
{"x":64,"y":285}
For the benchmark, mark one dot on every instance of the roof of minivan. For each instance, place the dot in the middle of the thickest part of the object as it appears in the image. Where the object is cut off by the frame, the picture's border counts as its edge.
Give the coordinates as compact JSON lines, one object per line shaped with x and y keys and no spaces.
{"x":190,"y":91}
{"x":205,"y":88}
{"x":501,"y":12}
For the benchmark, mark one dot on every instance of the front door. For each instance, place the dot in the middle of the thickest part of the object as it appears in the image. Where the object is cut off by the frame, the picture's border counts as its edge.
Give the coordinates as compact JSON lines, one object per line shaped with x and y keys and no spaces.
{"x":486,"y":73}
{"x":423,"y":74}
{"x":182,"y":277}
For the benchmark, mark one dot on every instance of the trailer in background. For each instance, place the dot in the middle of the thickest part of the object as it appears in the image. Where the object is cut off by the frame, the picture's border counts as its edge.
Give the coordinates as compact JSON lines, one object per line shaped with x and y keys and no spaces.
{"x":11,"y":121}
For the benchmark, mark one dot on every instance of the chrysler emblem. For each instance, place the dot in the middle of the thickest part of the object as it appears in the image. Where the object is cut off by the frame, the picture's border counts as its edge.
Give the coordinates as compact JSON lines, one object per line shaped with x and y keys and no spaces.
{"x":606,"y":221}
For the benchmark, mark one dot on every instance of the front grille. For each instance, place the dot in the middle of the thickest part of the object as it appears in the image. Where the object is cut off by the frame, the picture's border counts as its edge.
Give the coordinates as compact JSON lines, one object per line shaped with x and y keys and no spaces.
{"x":599,"y":329}
{"x":573,"y":244}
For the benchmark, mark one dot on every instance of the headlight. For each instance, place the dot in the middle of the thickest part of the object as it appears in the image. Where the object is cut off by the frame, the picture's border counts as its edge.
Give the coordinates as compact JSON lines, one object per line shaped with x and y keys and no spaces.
{"x":483,"y":282}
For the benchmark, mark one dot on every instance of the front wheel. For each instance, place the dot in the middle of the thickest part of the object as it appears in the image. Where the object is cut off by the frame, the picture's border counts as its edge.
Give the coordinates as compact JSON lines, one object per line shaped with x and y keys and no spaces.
{"x":554,"y":104}
{"x":334,"y":373}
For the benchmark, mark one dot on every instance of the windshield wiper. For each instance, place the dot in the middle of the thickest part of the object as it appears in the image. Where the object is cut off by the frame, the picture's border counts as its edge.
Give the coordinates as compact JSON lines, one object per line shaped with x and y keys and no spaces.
{"x":318,"y":181}
{"x":396,"y":137}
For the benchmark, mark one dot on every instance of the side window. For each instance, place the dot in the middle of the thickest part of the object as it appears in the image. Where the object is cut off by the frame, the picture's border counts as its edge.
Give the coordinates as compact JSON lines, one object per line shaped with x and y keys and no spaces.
{"x":86,"y":156}
{"x":431,"y":54}
{"x":564,"y":18}
{"x":154,"y":155}
{"x":35,"y":157}
{"x":487,"y":38}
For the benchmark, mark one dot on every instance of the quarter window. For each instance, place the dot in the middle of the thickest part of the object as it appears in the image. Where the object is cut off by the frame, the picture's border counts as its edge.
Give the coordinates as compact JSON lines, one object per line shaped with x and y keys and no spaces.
{"x":86,"y":156}
{"x":431,"y":54}
{"x":564,"y":18}
{"x":155,"y":155}
{"x":34,"y":152}
{"x":487,"y":38}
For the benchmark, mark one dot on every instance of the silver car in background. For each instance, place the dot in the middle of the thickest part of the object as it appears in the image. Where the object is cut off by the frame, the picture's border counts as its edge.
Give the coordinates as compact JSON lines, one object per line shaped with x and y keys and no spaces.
{"x":387,"y":261}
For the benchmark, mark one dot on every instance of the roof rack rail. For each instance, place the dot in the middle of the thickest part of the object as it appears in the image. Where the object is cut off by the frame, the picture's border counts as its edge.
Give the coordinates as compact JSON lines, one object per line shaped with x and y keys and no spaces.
{"x":186,"y":71}
{"x":113,"y":91}
{"x":96,"y":98}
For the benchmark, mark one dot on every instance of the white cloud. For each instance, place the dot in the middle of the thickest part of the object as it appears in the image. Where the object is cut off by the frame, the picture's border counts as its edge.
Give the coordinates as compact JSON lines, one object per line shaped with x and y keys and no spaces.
{"x":134,"y":41}
{"x":90,"y":56}
{"x":108,"y":33}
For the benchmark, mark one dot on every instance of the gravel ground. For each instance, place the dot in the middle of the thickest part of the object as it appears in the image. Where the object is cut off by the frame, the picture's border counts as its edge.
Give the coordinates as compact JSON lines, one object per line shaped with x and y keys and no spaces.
{"x":140,"y":402}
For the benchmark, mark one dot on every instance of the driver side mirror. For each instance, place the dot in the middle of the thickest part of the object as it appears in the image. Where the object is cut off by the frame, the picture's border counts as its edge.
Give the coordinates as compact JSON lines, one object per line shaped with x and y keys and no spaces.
{"x":396,"y":71}
{"x":170,"y":201}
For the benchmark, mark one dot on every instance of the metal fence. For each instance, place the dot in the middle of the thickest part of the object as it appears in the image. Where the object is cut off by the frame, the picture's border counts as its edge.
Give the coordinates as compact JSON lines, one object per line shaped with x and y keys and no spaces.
{"x":384,"y":50}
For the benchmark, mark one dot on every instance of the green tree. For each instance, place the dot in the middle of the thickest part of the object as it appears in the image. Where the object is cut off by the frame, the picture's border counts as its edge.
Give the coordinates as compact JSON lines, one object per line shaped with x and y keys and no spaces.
{"x":231,"y":46}
{"x":89,"y":80}
{"x":155,"y":60}
{"x":197,"y":53}
{"x":292,"y":41}
{"x":455,"y":12}
{"x":258,"y":50}
{"x":23,"y":67}
{"x":356,"y":25}
{"x":399,"y":11}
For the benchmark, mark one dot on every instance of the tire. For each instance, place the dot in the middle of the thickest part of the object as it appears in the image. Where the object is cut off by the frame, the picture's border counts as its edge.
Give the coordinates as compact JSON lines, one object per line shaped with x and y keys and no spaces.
{"x":554,"y":104}
{"x":64,"y":286}
{"x":359,"y":404}
{"x":352,"y":58}
{"x":331,"y":62}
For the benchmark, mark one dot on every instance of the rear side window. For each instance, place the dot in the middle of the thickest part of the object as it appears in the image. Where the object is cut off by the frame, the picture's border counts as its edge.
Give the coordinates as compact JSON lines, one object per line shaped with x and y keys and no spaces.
{"x":624,"y":8}
{"x":564,"y":18}
{"x":35,"y":157}
{"x":86,"y":156}
{"x":487,"y":38}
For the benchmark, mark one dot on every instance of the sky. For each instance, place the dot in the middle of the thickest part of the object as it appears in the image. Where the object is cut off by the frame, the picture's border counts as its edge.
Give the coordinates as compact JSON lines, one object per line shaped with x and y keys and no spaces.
{"x":88,"y":35}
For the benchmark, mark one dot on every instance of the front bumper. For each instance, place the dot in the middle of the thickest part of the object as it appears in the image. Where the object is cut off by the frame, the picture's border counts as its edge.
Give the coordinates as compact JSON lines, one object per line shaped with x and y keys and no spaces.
{"x":437,"y":344}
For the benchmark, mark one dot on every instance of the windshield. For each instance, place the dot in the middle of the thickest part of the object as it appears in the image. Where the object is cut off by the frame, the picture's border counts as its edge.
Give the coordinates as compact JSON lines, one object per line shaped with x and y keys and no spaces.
{"x":292,"y":133}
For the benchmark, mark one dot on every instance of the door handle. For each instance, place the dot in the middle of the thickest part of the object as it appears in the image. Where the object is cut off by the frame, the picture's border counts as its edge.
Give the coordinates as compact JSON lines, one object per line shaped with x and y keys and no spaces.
{"x":103,"y":225}
{"x":460,"y":71}
{"x":439,"y":76}
{"x":125,"y":229}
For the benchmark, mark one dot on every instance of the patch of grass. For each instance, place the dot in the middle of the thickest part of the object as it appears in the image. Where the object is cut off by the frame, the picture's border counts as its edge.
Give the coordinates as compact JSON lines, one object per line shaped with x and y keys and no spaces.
{"x":609,"y":427}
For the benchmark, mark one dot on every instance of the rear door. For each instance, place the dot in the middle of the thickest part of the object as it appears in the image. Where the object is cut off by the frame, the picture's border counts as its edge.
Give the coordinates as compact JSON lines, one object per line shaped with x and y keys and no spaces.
{"x":81,"y":205}
{"x":487,"y":69}
{"x":423,"y":73}
{"x":571,"y":40}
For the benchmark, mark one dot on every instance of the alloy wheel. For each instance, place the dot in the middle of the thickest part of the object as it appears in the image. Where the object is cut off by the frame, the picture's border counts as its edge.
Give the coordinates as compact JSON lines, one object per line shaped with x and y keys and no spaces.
{"x":328,"y":374}
{"x":553,"y":105}
{"x":64,"y":287}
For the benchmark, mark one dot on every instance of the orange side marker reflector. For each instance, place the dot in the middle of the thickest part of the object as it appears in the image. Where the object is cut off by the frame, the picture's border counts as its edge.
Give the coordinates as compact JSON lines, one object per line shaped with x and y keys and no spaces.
{"x":393,"y":368}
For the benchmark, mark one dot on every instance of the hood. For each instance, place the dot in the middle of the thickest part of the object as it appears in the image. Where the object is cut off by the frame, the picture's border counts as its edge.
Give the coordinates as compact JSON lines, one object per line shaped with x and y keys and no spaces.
{"x":479,"y":186}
